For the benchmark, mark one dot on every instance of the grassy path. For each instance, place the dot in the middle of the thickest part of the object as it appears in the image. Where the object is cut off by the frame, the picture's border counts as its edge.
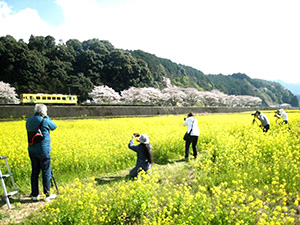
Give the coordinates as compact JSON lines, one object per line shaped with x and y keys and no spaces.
{"x":175,"y":171}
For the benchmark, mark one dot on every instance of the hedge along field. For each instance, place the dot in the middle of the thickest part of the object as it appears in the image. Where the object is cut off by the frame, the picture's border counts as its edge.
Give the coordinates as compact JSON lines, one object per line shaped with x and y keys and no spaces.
{"x":242,"y":175}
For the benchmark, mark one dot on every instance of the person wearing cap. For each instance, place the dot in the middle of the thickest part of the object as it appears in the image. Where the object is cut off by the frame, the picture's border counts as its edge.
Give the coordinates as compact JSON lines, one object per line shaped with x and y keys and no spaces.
{"x":144,"y":154}
{"x":263,"y":119}
{"x":39,"y":153}
{"x":192,"y":127}
{"x":280,"y":113}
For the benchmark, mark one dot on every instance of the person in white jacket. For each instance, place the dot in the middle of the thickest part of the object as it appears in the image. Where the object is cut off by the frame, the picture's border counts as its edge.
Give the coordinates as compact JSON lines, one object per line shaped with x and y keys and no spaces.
{"x":280,"y":113}
{"x":192,"y":127}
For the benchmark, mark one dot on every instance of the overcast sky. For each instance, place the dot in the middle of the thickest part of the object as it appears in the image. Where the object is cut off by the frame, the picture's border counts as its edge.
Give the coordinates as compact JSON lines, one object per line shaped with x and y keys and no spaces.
{"x":260,"y":38}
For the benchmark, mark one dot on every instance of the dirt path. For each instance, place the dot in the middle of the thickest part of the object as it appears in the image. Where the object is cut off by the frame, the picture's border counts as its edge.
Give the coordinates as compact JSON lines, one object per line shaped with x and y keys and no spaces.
{"x":19,"y":209}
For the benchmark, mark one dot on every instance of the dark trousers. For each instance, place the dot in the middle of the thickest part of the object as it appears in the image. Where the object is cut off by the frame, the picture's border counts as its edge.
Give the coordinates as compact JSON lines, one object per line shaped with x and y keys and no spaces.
{"x":266,"y":128}
{"x":40,"y":163}
{"x":193,"y":140}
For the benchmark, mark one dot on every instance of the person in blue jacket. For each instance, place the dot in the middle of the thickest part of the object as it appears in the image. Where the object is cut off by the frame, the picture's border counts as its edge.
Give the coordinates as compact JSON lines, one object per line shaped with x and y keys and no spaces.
{"x":39,"y":153}
{"x":144,"y":154}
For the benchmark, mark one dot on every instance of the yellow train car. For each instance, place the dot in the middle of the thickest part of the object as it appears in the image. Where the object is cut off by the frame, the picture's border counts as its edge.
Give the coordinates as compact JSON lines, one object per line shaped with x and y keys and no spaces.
{"x":48,"y":99}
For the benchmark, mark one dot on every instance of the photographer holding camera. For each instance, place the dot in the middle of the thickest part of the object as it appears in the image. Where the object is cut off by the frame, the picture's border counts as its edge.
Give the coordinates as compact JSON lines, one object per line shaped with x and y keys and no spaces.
{"x":193,"y":130}
{"x":39,"y":152}
{"x":265,"y":124}
{"x":280,"y":113}
{"x":144,"y":154}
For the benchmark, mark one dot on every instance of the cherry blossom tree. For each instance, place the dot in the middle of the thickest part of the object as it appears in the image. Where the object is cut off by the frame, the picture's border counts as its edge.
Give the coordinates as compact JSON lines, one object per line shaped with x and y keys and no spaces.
{"x":248,"y":101}
{"x":172,"y":96}
{"x":152,"y":96}
{"x":145,"y":96}
{"x":104,"y":95}
{"x":192,"y":97}
{"x":8,"y":94}
{"x":217,"y":98}
{"x":131,"y":96}
{"x":210,"y":98}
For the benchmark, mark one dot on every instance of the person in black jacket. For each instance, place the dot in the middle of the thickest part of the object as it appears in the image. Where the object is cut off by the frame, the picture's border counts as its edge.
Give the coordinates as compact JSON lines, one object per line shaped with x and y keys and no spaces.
{"x":144,"y":154}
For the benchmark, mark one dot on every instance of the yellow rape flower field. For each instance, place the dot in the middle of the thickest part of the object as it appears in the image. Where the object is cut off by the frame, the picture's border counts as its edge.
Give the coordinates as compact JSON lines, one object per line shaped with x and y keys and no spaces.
{"x":242,"y":175}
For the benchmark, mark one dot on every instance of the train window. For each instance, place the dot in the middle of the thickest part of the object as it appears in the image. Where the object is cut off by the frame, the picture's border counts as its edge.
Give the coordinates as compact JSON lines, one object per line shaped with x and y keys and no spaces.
{"x":37,"y":97}
{"x":58,"y":98}
{"x":44,"y":98}
{"x":64,"y":98}
{"x":48,"y":98}
{"x":53,"y":98}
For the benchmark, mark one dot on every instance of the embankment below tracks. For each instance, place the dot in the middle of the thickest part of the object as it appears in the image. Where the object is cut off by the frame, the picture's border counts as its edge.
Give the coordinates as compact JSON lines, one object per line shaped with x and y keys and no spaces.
{"x":14,"y":112}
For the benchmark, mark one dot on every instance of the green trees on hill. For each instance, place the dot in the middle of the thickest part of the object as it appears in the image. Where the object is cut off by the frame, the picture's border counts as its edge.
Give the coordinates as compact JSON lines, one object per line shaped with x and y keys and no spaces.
{"x":43,"y":65}
{"x":271,"y":93}
{"x":75,"y":67}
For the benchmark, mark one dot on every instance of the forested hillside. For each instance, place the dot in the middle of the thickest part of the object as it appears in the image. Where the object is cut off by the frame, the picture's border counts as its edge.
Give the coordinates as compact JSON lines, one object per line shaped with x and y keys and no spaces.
{"x":235,"y":84}
{"x":44,"y":66}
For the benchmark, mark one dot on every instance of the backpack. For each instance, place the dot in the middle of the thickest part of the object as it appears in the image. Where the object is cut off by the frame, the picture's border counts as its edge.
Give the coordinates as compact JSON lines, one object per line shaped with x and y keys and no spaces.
{"x":35,"y":137}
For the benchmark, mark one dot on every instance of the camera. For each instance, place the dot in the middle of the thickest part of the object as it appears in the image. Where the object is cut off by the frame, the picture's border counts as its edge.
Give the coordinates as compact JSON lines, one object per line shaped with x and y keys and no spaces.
{"x":257,"y":112}
{"x":136,"y":134}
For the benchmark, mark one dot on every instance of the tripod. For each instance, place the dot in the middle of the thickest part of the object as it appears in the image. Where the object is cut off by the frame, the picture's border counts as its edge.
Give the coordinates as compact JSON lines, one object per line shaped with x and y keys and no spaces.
{"x":53,"y":182}
{"x":254,"y":121}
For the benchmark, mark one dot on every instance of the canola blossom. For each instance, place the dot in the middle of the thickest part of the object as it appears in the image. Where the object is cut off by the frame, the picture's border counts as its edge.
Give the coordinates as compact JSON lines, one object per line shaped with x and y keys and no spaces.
{"x":242,"y":175}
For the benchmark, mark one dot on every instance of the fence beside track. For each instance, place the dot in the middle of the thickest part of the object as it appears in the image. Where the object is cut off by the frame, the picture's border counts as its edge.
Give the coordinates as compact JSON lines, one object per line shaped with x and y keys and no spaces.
{"x":18,"y":111}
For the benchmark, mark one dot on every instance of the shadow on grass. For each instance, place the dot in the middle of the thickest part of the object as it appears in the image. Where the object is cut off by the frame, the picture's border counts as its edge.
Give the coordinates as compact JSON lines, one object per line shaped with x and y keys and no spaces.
{"x":111,"y":179}
{"x":22,"y":200}
{"x":117,"y":178}
{"x":168,"y":161}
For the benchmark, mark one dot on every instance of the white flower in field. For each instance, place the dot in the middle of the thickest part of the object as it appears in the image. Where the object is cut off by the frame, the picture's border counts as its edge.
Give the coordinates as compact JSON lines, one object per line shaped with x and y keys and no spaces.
{"x":8,"y":94}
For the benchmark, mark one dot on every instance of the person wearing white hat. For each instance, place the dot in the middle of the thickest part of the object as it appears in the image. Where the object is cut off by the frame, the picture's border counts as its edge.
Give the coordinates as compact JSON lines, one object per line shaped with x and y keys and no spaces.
{"x":144,"y":154}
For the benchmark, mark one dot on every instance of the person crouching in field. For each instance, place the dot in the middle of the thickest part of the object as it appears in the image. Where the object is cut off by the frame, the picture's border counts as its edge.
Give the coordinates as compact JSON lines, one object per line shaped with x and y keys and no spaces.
{"x":144,"y":154}
{"x":265,"y":124}
{"x":39,"y":150}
